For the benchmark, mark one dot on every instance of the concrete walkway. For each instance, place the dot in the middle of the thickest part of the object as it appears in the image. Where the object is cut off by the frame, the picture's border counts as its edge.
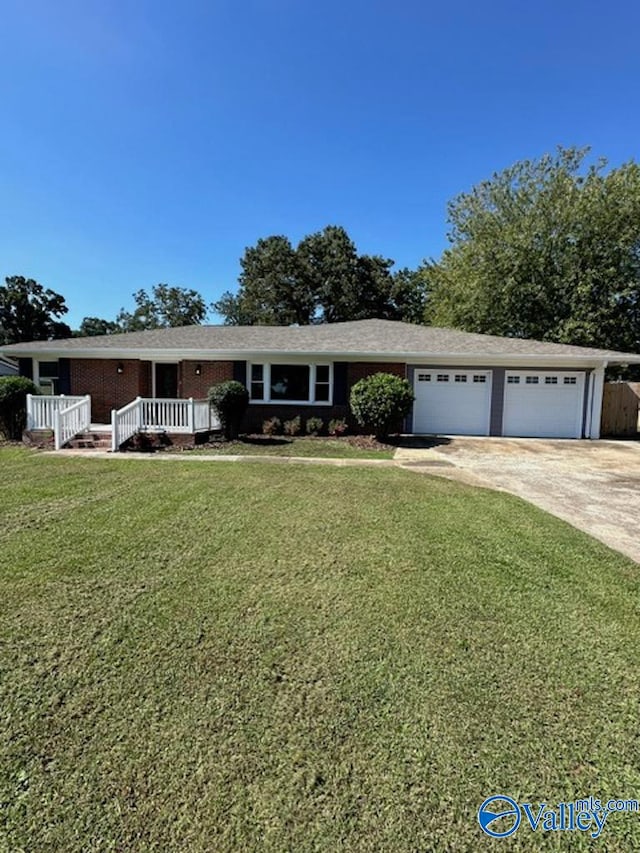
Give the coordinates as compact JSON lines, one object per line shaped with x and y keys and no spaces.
{"x":131,"y":455}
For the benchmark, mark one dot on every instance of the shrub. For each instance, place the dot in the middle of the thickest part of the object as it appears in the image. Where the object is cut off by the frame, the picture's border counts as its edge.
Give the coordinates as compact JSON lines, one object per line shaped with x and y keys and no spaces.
{"x":314,"y":426}
{"x":13,"y":404}
{"x":272,"y":426}
{"x":230,"y":400}
{"x":337,"y":426}
{"x":380,"y":401}
{"x":293,"y":426}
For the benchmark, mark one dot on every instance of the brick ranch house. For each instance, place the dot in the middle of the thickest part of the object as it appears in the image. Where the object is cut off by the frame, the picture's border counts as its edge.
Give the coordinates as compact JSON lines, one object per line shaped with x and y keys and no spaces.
{"x":465,"y":384}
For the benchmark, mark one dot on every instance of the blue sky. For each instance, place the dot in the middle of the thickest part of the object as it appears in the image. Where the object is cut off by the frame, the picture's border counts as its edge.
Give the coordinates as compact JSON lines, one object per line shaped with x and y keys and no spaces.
{"x":152,"y":141}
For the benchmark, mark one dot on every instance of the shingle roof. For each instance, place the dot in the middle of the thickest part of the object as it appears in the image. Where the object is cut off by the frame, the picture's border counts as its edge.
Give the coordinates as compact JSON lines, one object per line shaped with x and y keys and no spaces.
{"x":361,"y":337}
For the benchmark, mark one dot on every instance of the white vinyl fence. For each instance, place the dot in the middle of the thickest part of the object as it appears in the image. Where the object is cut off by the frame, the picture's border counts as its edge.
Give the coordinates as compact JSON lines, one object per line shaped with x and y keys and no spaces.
{"x":41,"y":410}
{"x":148,"y":414}
{"x":71,"y":421}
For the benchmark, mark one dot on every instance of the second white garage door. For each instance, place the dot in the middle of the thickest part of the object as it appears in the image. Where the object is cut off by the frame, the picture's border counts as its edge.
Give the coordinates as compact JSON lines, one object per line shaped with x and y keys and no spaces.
{"x":541,"y":404}
{"x":452,"y":402}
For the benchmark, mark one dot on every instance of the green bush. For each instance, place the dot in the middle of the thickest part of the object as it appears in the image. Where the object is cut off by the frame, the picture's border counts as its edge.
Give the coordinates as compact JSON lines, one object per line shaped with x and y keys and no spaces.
{"x":230,"y":400}
{"x":314,"y":426}
{"x":272,"y":426}
{"x":379,"y":402}
{"x":337,"y":426}
{"x":13,"y":405}
{"x":293,"y":426}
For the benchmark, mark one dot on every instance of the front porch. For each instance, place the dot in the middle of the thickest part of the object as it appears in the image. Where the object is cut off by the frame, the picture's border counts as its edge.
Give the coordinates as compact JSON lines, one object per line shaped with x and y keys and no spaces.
{"x":65,"y":421}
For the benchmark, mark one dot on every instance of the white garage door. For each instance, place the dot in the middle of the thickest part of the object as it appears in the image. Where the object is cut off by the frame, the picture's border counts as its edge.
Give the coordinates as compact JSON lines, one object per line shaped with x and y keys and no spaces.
{"x":543,"y":404}
{"x":452,"y":402}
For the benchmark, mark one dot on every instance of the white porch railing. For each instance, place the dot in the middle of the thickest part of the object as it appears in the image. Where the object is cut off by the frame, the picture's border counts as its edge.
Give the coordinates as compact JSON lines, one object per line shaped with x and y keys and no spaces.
{"x":72,"y":420}
{"x":148,"y":414}
{"x":41,"y":410}
{"x":125,"y":422}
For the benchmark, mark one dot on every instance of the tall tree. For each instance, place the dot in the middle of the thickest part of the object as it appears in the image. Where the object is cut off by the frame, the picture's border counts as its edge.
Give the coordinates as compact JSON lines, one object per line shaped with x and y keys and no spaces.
{"x":546,"y":249}
{"x":94,"y":326}
{"x":165,"y":306}
{"x":322,"y":280}
{"x":29,"y":312}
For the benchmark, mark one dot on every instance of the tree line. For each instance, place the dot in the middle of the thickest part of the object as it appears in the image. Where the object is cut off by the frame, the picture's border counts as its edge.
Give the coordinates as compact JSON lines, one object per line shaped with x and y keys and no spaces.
{"x":546,"y":249}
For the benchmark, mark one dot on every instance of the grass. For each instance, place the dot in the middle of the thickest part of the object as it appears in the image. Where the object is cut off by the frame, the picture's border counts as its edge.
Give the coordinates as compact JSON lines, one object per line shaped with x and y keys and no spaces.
{"x":260,"y":658}
{"x":325,"y":448}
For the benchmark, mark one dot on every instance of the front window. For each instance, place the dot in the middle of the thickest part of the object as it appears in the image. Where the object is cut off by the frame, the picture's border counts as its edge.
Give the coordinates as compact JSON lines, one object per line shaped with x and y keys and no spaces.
{"x":290,"y":383}
{"x":257,"y":381}
{"x":48,"y":377}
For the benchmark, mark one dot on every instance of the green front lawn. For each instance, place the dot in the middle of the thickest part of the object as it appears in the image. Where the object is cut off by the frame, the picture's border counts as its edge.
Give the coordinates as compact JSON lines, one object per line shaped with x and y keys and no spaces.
{"x":325,"y":448}
{"x":284,"y":658}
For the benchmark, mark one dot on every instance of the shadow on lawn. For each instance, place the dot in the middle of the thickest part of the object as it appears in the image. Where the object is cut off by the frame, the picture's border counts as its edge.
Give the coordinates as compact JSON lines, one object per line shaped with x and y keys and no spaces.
{"x":418,"y":441}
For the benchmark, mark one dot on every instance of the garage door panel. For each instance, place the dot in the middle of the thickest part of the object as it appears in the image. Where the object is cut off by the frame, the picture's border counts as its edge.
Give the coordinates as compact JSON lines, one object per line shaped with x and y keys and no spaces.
{"x":452,"y":402}
{"x":543,"y":404}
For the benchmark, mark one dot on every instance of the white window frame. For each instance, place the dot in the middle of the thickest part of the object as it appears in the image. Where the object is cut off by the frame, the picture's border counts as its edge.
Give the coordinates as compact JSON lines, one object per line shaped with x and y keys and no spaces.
{"x":266,"y":378}
{"x":52,"y":382}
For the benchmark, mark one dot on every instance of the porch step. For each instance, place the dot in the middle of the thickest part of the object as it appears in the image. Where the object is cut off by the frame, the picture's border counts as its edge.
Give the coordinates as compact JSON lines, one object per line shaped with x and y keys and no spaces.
{"x":90,"y":440}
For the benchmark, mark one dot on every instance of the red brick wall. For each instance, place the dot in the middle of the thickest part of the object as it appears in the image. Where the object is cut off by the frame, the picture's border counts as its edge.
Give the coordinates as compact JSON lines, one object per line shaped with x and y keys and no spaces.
{"x":360,"y":369}
{"x":212,"y":372}
{"x":108,"y":389}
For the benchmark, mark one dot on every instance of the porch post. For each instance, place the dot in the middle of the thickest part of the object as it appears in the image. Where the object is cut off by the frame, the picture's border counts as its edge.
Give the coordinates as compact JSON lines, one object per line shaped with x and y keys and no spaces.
{"x":596,"y":402}
{"x":114,"y":431}
{"x":191,"y":416}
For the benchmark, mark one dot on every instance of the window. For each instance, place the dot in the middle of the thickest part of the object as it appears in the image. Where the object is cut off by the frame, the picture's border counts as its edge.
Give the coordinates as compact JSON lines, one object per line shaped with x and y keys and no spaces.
{"x":443,"y":377}
{"x":48,"y":377}
{"x":479,"y":377}
{"x":290,"y":383}
{"x":570,"y":380}
{"x":460,"y":377}
{"x":532,"y":380}
{"x":257,"y":381}
{"x":550,"y":380}
{"x":513,"y":380}
{"x":424,"y":377}
{"x":322,"y":392}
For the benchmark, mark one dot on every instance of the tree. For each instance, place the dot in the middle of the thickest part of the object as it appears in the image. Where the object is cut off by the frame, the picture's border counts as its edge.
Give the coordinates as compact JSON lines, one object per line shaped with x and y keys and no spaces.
{"x":380,"y":402}
{"x":546,"y":249}
{"x":272,"y":288}
{"x":230,"y":400}
{"x":322,"y":280}
{"x":28,"y":312}
{"x":13,"y":404}
{"x":410,"y":294}
{"x":165,"y":306}
{"x":93,"y":326}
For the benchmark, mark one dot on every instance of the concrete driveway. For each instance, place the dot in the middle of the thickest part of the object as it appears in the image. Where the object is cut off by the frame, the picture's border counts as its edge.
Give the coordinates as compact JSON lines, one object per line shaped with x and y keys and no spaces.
{"x":594,"y":485}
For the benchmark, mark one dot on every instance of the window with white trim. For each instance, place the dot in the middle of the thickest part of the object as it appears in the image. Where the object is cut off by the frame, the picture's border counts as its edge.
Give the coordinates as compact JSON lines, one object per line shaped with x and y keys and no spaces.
{"x":424,"y":377}
{"x":479,"y":377}
{"x":460,"y":377}
{"x":550,"y":380}
{"x":443,"y":377}
{"x":257,"y":381}
{"x":532,"y":380}
{"x":570,"y":380}
{"x":513,"y":380}
{"x":48,"y":375}
{"x":290,"y":383}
